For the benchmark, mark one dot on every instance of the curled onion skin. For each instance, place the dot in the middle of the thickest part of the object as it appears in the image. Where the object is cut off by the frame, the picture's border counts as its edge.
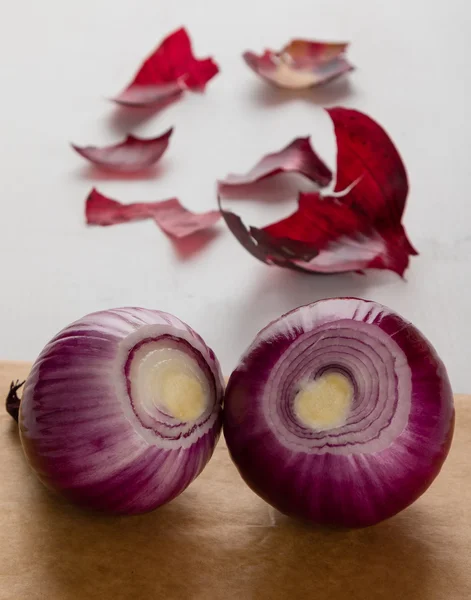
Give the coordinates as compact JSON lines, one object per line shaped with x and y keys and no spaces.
{"x":91,"y":426}
{"x":392,"y":401}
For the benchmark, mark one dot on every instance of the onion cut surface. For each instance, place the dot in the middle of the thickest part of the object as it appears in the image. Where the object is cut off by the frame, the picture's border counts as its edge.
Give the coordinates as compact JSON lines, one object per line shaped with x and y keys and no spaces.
{"x":122,"y":410}
{"x":340,"y":412}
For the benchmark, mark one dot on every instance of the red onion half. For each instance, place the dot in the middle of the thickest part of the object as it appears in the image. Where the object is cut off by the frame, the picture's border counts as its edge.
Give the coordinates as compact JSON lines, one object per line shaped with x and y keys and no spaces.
{"x":122,"y":410}
{"x":340,"y":412}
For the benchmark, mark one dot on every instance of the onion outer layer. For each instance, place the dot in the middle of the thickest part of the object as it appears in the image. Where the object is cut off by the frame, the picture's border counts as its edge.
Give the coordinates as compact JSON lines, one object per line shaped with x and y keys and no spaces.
{"x":393,"y":431}
{"x":97,"y":426}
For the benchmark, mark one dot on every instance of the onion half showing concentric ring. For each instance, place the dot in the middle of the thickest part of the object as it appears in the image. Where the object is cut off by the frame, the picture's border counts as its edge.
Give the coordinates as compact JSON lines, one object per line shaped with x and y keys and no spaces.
{"x":340,"y":413}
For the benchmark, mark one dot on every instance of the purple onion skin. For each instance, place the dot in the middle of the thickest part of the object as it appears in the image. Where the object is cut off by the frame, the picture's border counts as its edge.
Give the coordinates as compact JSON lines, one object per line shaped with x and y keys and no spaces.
{"x":81,"y":431}
{"x":348,"y":480}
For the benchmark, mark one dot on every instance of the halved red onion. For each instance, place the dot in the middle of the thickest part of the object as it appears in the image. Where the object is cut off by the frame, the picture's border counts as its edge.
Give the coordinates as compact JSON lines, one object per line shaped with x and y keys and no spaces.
{"x":132,"y":155}
{"x":301,"y":64}
{"x":167,"y":73}
{"x":122,"y":410}
{"x":173,"y":218}
{"x":339,"y":412}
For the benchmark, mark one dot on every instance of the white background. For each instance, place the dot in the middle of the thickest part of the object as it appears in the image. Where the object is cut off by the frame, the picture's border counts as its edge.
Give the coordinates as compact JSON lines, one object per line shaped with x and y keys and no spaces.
{"x":61,"y":60}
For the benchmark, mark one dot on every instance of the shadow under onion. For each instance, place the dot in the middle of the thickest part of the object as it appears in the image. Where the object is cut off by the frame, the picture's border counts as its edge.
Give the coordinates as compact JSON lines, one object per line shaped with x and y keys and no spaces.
{"x":196,"y":548}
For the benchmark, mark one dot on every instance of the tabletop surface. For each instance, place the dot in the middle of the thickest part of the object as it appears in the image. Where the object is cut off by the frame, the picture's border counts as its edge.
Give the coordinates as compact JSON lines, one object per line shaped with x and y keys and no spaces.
{"x":63,"y":60}
{"x":218,"y":540}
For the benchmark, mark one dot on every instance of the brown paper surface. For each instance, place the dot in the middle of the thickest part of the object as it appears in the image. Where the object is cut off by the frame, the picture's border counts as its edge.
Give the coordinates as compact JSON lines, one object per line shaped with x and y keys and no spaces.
{"x":218,"y":540}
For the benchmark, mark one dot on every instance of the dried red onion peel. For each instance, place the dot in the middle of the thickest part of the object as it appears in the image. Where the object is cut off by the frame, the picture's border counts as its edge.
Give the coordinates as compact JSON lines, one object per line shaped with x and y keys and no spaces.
{"x":12,"y":403}
{"x":358,"y":227}
{"x":167,"y":73}
{"x":132,"y":155}
{"x":173,"y":218}
{"x":122,"y":410}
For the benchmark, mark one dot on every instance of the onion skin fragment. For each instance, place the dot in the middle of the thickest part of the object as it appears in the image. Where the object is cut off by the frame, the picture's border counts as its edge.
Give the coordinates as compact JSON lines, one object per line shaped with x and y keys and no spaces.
{"x":122,"y":410}
{"x":390,"y":446}
{"x":170,"y":215}
{"x":357,"y":227}
{"x":301,"y":64}
{"x":164,"y":75}
{"x":12,"y":402}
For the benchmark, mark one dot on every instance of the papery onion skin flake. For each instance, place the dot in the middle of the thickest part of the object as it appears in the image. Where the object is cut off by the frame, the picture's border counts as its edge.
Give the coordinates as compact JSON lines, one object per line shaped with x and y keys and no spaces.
{"x":122,"y":410}
{"x":132,"y":155}
{"x":12,"y":402}
{"x":170,"y":215}
{"x":356,"y":226}
{"x":170,"y":70}
{"x":301,"y":64}
{"x":297,"y":157}
{"x":340,"y":413}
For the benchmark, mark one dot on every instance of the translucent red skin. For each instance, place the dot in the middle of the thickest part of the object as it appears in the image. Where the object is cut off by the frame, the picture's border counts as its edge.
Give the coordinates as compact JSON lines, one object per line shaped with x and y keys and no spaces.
{"x":174,"y":59}
{"x":279,"y":476}
{"x":297,"y":157}
{"x":152,"y":150}
{"x":368,"y":215}
{"x":324,"y":59}
{"x":169,"y":215}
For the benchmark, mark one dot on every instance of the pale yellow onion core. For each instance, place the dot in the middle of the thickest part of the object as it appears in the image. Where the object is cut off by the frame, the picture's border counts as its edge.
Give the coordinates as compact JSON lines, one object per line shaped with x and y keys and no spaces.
{"x":181,"y":394}
{"x":325,"y":402}
{"x":169,"y":380}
